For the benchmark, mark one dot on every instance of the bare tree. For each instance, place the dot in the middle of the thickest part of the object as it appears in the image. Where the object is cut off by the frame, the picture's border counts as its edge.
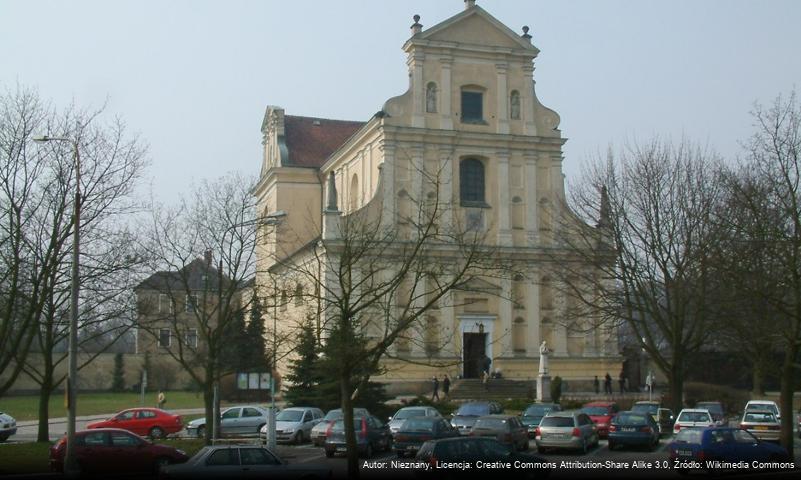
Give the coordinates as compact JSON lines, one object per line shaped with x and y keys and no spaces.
{"x":203,"y":260}
{"x":376,"y":279}
{"x":768,"y":186}
{"x":650,"y":251}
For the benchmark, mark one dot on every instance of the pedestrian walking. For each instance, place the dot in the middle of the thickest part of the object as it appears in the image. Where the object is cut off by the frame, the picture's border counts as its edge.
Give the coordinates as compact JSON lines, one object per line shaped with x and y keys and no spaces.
{"x":487,"y":366}
{"x":435,"y":381}
{"x":162,"y":399}
{"x":622,"y":382}
{"x":608,"y":384}
{"x":596,"y":384}
{"x":446,"y":386}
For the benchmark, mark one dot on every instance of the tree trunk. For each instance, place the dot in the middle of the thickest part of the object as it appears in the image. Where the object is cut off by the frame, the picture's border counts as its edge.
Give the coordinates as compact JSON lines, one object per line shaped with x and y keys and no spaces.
{"x":786,"y":399}
{"x":758,"y":378}
{"x":347,"y":420}
{"x":45,"y":390}
{"x":208,"y":404}
{"x":676,"y":379}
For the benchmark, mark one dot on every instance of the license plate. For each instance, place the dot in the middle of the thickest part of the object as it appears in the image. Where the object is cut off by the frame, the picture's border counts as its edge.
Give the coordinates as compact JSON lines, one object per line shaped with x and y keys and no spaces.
{"x":628,"y":429}
{"x":760,"y":428}
{"x":411,"y":448}
{"x":341,"y":449}
{"x":685,"y":453}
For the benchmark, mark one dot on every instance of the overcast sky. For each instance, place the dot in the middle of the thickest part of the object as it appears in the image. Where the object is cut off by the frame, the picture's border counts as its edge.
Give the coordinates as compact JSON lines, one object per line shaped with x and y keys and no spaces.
{"x":193,"y":78}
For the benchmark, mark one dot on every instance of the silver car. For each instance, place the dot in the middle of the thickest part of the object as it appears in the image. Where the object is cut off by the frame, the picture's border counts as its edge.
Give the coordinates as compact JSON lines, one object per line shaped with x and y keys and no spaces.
{"x":320,"y":431}
{"x":293,"y":425}
{"x":8,"y":426}
{"x":401,"y":415}
{"x":566,"y":430}
{"x":242,"y":420}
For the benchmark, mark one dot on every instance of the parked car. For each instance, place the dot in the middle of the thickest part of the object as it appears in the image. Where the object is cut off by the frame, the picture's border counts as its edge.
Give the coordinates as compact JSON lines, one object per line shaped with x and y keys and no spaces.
{"x":8,"y":426}
{"x":601,"y":413}
{"x":762,"y":424}
{"x":415,"y":431}
{"x":114,"y":451}
{"x":716,"y":410}
{"x":468,"y":413}
{"x":151,"y":422}
{"x":693,"y":418}
{"x":469,"y":450}
{"x":320,"y":431}
{"x":241,"y":461}
{"x":723,"y":444}
{"x":240,"y":420}
{"x":507,"y":429}
{"x":401,"y":415}
{"x":663,"y":416}
{"x":764,"y":405}
{"x":633,"y":429}
{"x":293,"y":425}
{"x":371,"y":436}
{"x":566,"y":430}
{"x":533,"y":414}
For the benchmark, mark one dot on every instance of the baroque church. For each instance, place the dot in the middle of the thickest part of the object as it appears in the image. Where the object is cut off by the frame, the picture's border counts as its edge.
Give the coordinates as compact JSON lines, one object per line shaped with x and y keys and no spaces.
{"x":470,"y":112}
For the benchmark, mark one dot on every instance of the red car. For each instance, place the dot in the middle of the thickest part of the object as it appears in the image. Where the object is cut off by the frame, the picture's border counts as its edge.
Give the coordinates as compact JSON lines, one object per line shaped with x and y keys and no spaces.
{"x":601,"y":414}
{"x":114,"y":451}
{"x":150,"y":422}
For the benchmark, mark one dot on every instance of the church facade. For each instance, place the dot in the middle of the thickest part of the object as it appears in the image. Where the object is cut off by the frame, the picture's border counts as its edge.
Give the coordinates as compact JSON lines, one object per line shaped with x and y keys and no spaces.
{"x":471,"y":113}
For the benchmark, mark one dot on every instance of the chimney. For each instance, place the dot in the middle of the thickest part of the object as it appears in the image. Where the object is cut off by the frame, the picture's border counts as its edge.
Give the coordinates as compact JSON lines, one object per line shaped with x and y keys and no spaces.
{"x":469,"y":4}
{"x":207,"y":257}
{"x":416,"y":27}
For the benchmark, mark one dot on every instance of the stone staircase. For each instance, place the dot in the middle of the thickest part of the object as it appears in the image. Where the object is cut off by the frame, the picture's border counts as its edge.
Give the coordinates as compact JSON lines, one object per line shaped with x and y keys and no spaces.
{"x":497,"y":389}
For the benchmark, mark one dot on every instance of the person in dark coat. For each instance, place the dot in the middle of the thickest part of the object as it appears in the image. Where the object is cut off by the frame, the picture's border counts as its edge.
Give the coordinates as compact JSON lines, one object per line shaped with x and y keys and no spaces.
{"x":596,"y":384}
{"x":435,"y":380}
{"x":608,"y":384}
{"x":446,"y":385}
{"x":622,"y":381}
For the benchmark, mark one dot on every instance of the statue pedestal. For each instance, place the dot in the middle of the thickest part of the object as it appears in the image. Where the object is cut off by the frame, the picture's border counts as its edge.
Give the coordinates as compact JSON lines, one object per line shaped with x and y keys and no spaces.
{"x":544,"y":388}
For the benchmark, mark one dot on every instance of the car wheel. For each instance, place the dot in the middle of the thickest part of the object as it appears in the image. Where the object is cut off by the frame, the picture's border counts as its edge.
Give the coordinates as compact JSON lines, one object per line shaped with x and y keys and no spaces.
{"x":160,"y":463}
{"x":329,"y":453}
{"x":201,"y":431}
{"x":156,"y":433}
{"x":401,"y":454}
{"x":540,"y":449}
{"x":4,"y":437}
{"x":584,"y":445}
{"x":368,"y":452}
{"x":525,"y":445}
{"x":612,"y":445}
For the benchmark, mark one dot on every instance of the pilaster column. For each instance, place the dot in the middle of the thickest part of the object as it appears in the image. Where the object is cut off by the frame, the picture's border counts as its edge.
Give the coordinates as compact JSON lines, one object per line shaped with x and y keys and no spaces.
{"x":560,"y":331}
{"x":417,"y":331}
{"x":503,"y":98}
{"x":533,"y":318}
{"x":415,"y":63}
{"x":504,"y":219}
{"x":387,"y":179}
{"x":450,"y":326}
{"x":504,"y":333}
{"x":447,"y":163}
{"x":527,"y":97}
{"x":446,"y":122}
{"x":416,"y":170}
{"x":532,"y":202}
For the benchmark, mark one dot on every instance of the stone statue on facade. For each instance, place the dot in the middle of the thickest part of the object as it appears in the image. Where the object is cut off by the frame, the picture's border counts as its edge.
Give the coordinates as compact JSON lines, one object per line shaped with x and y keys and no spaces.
{"x":544,"y":351}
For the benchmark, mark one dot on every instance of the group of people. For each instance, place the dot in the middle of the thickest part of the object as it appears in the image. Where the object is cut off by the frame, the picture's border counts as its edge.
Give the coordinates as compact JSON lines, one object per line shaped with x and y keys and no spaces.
{"x":446,"y":386}
{"x":622,"y":382}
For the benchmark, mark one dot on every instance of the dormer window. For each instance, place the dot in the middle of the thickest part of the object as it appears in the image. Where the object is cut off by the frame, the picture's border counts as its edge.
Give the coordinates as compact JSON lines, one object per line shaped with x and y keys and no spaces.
{"x":472,"y":106}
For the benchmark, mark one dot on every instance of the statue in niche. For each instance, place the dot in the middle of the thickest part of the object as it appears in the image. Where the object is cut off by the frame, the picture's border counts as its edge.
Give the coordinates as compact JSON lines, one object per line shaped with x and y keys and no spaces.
{"x":514,"y":101}
{"x":431,"y":98}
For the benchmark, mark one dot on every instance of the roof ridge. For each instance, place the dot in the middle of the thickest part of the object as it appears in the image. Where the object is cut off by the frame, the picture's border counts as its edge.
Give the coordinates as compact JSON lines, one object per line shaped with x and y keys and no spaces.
{"x":325,"y":119}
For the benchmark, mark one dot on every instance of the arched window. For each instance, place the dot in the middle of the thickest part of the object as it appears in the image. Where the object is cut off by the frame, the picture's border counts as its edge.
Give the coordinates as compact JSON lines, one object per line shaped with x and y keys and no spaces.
{"x":471,"y":182}
{"x":514,"y":105}
{"x":431,"y":98}
{"x":354,"y":192}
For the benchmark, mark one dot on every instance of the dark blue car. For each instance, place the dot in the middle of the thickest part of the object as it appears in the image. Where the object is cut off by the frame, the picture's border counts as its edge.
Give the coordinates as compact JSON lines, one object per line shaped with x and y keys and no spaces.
{"x":720,"y":449}
{"x":633,"y":429}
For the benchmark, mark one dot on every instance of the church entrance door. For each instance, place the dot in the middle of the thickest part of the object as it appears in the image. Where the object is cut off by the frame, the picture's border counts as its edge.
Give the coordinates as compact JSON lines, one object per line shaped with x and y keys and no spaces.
{"x":474,"y":351}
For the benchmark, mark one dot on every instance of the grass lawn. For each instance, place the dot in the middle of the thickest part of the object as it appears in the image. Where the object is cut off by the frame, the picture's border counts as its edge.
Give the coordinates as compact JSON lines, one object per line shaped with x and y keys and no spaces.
{"x":20,"y":458}
{"x":27,"y":407}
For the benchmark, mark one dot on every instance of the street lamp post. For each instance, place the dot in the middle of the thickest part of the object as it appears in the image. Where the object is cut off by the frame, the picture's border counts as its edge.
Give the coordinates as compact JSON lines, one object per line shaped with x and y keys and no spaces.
{"x":72,"y":373}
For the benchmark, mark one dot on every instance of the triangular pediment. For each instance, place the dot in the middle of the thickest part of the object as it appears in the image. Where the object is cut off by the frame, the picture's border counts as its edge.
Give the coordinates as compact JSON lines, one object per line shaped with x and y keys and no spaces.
{"x":478,"y":285}
{"x":475,"y":26}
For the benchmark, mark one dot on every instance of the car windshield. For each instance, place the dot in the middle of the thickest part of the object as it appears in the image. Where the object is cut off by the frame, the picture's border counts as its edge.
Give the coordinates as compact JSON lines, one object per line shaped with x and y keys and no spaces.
{"x":491,"y":423}
{"x":473,"y":410}
{"x":333,"y":415}
{"x":595,"y":410}
{"x":630,"y":419}
{"x":290,"y":416}
{"x":537,"y":410}
{"x":645,"y":408}
{"x":759,"y":417}
{"x":557,"y":422}
{"x":418,"y":425}
{"x":712,"y":407}
{"x":763,"y":406}
{"x":688,"y":435}
{"x":409,"y":412}
{"x":694,"y":417}
{"x":357,"y":424}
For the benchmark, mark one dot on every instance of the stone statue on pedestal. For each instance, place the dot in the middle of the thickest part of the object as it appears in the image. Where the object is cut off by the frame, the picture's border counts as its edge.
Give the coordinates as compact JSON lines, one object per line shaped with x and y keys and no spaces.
{"x":544,"y":352}
{"x":544,"y":379}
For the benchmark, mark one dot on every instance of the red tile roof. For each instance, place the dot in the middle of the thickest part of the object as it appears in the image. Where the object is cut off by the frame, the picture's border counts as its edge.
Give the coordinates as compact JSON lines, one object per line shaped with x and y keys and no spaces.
{"x":312,"y":140}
